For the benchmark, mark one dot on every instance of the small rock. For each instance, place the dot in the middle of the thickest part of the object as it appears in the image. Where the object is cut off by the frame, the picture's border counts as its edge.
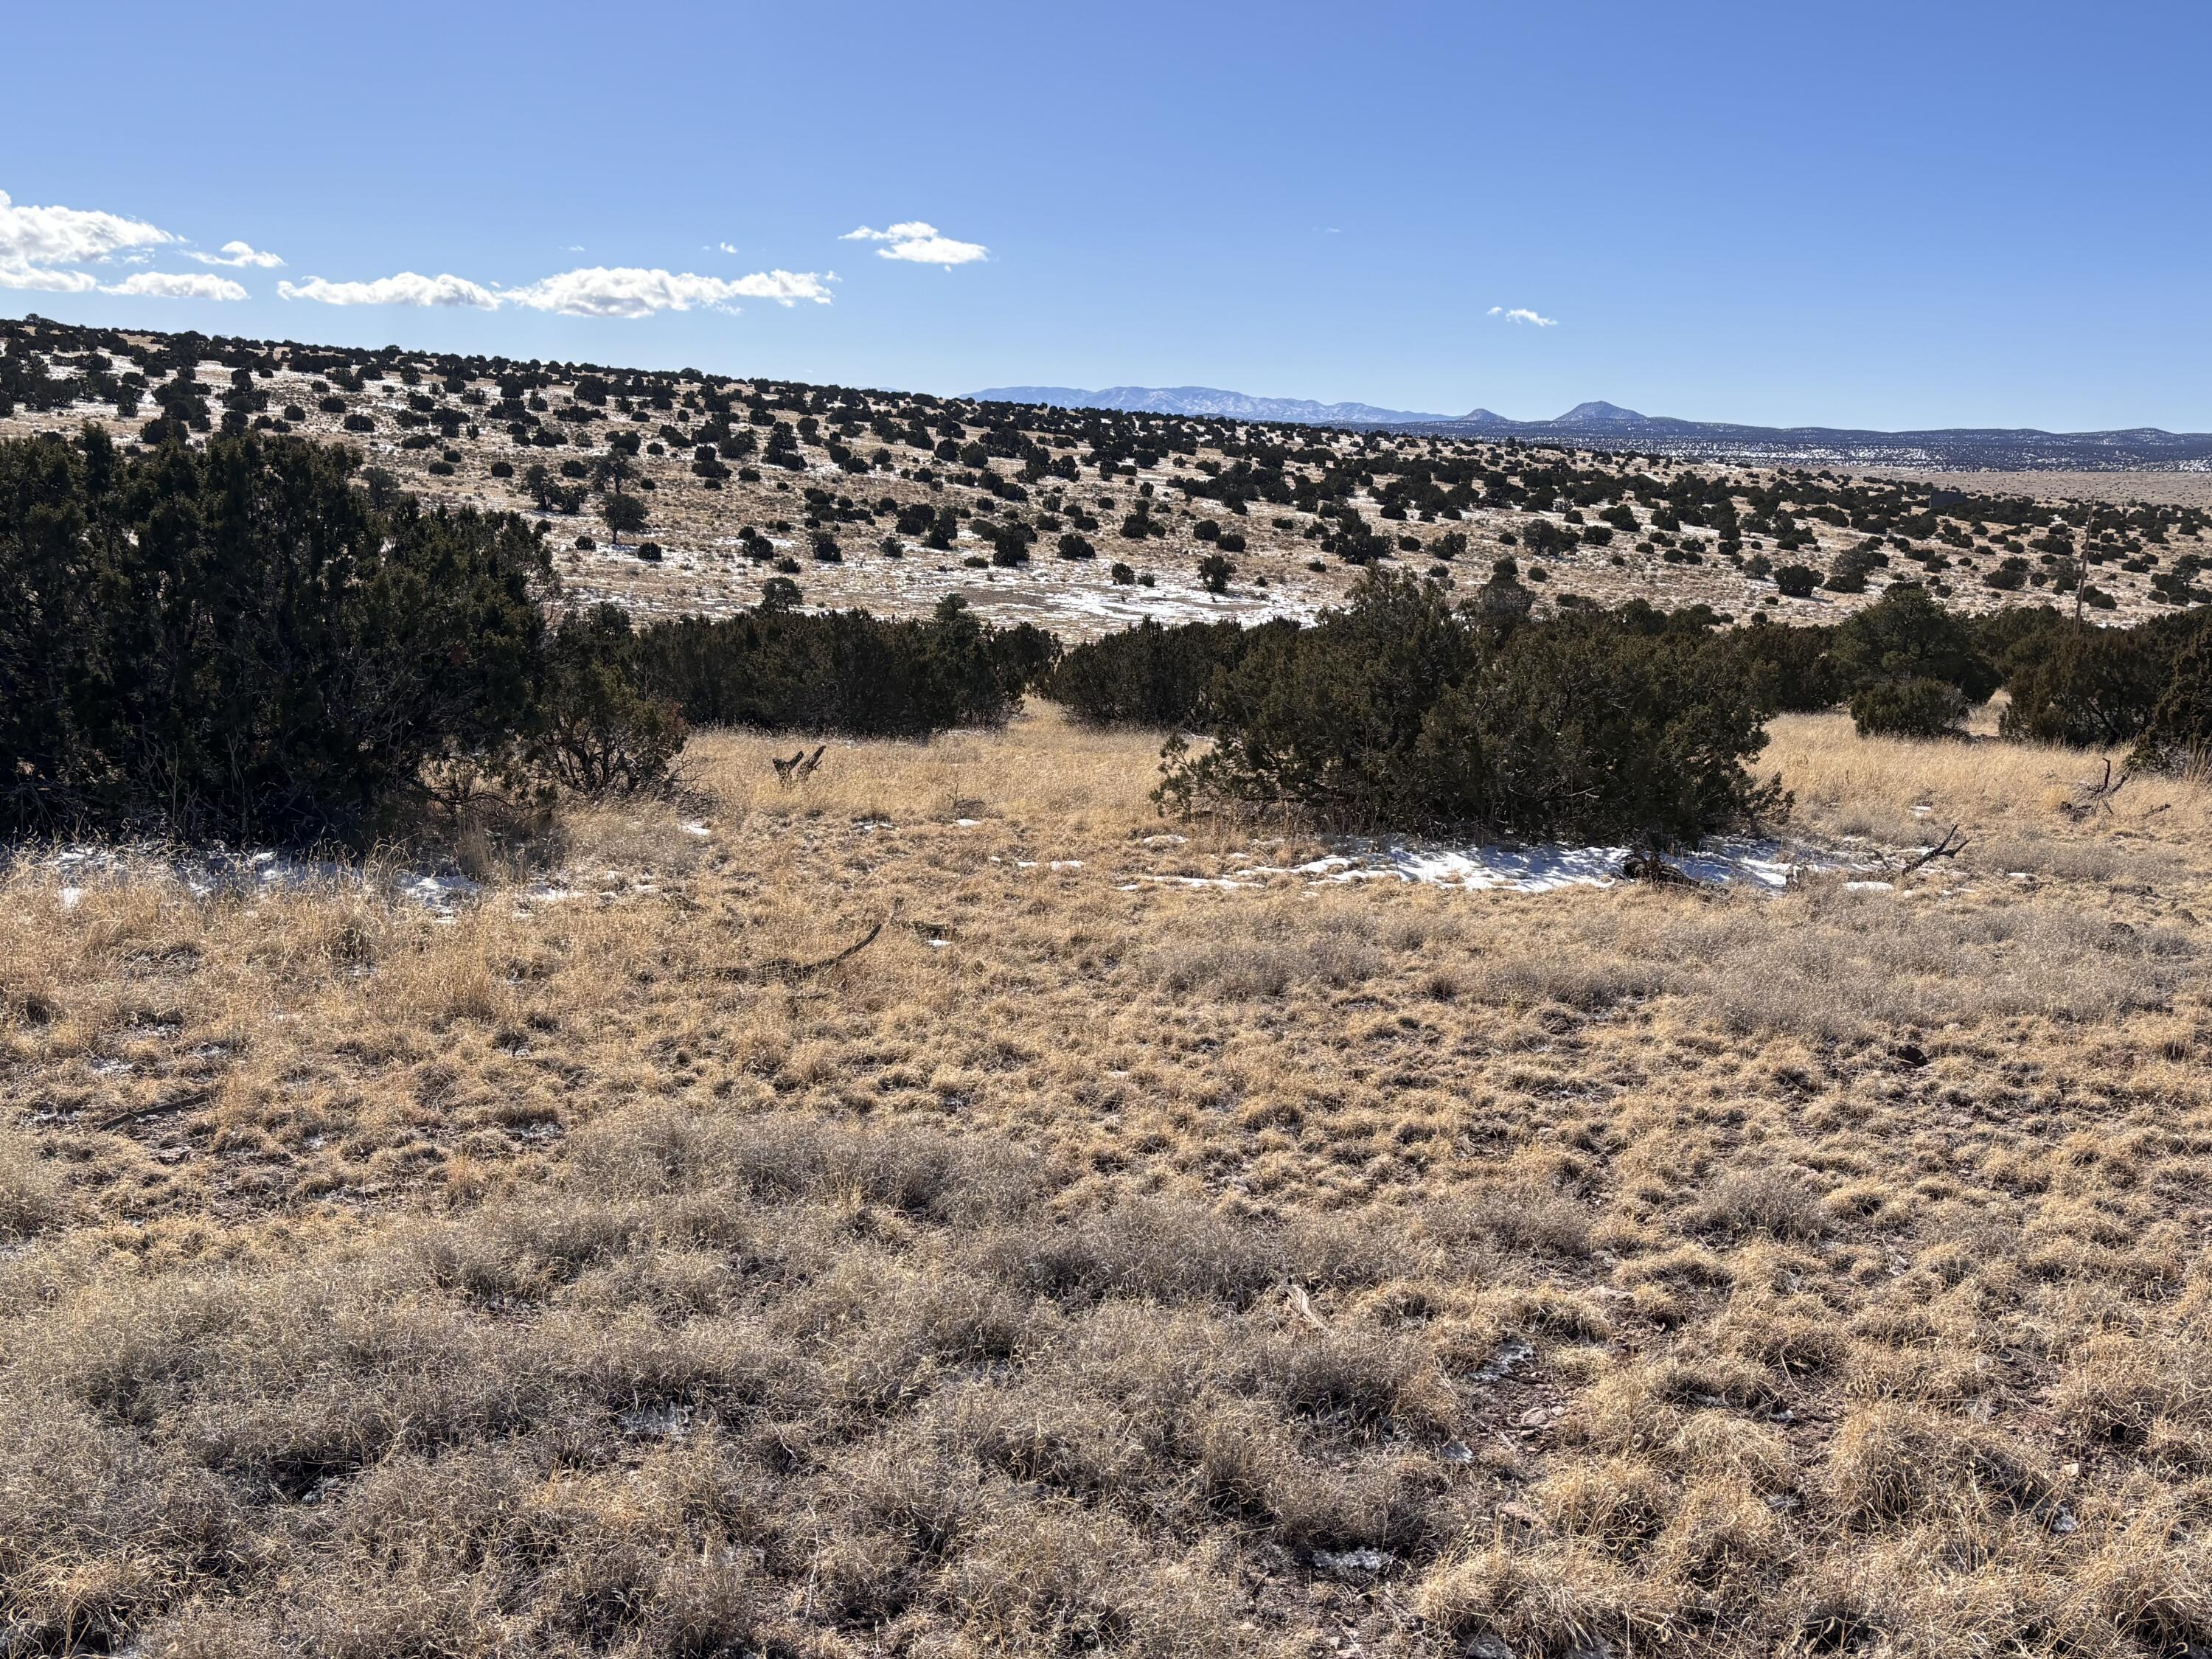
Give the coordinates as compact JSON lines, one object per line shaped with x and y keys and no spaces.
{"x":1351,"y":1562}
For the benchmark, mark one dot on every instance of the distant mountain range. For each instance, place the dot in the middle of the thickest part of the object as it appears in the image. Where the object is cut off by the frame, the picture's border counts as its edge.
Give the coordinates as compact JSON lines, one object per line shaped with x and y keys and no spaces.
{"x":1204,"y":400}
{"x":1599,"y":425}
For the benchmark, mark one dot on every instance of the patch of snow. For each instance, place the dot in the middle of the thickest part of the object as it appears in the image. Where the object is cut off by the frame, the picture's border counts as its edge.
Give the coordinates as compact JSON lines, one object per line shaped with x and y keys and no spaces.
{"x":1869,"y":887}
{"x":208,"y":873}
{"x":440,"y":890}
{"x":1501,"y":1363}
{"x":1195,"y":881}
{"x":1735,"y":861}
{"x":662,"y":1422}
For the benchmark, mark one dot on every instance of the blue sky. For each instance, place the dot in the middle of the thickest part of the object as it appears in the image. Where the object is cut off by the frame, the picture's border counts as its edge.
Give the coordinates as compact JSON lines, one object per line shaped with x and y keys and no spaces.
{"x":1886,"y":216}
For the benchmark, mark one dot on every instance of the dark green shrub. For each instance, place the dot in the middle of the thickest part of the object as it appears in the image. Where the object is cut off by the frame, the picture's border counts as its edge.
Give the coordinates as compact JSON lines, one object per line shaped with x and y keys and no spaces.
{"x":781,"y":669}
{"x":1851,"y":568}
{"x":1403,"y":711}
{"x":1909,"y":708}
{"x":1908,"y":635}
{"x":622,"y":512}
{"x":1150,"y":675}
{"x":1595,"y":731}
{"x":2179,"y":733}
{"x":598,"y":735}
{"x":1789,"y":668}
{"x":1541,"y":537}
{"x":1796,"y":581}
{"x":233,"y":641}
{"x":2077,"y":683}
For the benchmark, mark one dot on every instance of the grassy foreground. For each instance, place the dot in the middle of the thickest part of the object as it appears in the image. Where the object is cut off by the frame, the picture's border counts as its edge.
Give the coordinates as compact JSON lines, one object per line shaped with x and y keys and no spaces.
{"x":1090,"y":1262}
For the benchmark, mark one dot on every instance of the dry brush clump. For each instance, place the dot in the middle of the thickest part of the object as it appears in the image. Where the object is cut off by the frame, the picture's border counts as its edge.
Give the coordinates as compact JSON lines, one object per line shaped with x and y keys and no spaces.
{"x":608,"y":1262}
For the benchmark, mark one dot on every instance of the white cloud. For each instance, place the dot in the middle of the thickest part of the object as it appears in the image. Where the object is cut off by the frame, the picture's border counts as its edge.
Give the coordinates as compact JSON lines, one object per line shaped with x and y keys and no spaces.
{"x":727,"y":248}
{"x":1522,"y":314}
{"x":238,"y":253}
{"x":935,"y":251}
{"x":17,"y":273}
{"x":407,"y":288}
{"x":596,"y":291}
{"x":176,"y":285}
{"x":630,"y":291}
{"x":910,"y":231}
{"x":65,"y":236}
{"x":921,"y":243}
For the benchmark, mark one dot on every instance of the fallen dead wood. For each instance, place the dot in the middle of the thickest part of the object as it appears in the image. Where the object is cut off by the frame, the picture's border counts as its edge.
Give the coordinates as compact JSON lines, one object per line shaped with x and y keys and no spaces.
{"x":1941,"y":850}
{"x":184,"y":1103}
{"x":784,"y":967}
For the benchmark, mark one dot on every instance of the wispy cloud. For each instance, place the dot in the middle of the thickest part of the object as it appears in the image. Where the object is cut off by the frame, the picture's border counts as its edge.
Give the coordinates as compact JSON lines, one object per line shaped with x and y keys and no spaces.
{"x":30,"y":236}
{"x":1522,"y":314}
{"x":176,"y":285}
{"x":727,"y":248}
{"x":238,"y":253}
{"x":631,"y":291}
{"x":922,"y":244}
{"x":38,"y":243}
{"x":20,"y":274}
{"x":407,"y":288}
{"x":594,"y":291}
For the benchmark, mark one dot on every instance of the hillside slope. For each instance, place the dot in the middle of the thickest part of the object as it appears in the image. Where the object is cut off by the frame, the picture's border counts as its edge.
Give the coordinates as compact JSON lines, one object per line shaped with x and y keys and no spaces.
{"x":893,"y":501}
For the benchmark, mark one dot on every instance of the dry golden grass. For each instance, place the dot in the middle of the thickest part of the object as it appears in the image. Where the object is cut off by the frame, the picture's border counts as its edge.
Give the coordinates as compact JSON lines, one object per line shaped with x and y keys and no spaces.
{"x":1090,"y":1264}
